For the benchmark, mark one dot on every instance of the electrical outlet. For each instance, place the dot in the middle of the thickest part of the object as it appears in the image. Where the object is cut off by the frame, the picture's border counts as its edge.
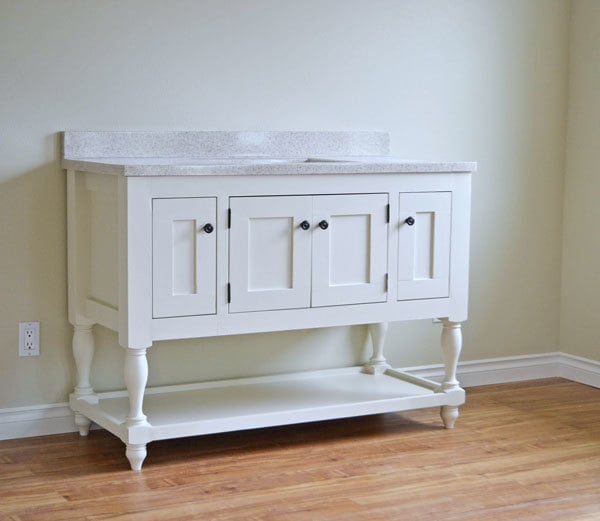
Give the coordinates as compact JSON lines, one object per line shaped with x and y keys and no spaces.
{"x":29,"y":339}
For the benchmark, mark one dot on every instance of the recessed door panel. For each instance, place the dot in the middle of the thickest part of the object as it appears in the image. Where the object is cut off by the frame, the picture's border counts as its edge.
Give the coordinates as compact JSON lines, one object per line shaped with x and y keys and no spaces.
{"x":424,"y":245}
{"x":349,"y":249}
{"x":270,"y":238}
{"x":184,"y":257}
{"x":269,"y":253}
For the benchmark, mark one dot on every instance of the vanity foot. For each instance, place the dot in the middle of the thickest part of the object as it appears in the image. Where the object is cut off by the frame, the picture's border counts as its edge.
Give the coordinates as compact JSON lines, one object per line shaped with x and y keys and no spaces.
{"x":136,"y":454}
{"x":83,"y":424}
{"x":449,"y":414}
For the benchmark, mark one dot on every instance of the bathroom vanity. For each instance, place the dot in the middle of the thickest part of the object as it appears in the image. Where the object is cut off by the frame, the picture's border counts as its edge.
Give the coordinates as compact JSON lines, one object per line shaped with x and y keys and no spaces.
{"x":197,"y":234}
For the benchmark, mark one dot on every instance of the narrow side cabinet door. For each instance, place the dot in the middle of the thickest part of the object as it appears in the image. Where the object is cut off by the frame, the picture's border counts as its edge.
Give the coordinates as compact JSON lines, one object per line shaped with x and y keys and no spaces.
{"x":269,"y":253}
{"x":424,"y":246}
{"x":184,"y":267}
{"x":350,"y":254}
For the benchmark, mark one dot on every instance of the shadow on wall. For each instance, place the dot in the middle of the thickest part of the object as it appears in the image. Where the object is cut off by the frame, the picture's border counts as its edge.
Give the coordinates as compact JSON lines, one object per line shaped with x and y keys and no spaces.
{"x":33,"y":282}
{"x":202,"y":359}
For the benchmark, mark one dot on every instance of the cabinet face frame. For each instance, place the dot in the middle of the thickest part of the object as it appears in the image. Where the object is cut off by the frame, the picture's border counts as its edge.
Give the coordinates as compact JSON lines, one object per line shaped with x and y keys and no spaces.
{"x":135,"y":323}
{"x":184,"y":257}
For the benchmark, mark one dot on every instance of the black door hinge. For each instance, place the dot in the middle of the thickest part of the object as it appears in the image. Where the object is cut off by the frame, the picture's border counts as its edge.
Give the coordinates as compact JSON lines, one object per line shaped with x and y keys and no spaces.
{"x":387,"y":213}
{"x":229,"y":293}
{"x":228,"y":217}
{"x":387,"y":282}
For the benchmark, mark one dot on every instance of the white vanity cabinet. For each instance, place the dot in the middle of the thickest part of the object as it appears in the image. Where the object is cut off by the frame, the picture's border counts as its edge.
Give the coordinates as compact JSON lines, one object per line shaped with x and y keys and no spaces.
{"x":196,"y":234}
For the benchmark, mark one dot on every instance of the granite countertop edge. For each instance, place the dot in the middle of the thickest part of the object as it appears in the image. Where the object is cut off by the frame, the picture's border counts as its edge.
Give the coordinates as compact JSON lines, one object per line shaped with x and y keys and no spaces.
{"x":140,"y":167}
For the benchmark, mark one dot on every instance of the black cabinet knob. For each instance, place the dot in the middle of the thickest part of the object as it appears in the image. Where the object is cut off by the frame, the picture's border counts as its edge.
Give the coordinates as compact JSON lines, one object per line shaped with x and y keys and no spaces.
{"x":410,"y":221}
{"x":305,"y":225}
{"x":323,"y":224}
{"x":208,"y":228}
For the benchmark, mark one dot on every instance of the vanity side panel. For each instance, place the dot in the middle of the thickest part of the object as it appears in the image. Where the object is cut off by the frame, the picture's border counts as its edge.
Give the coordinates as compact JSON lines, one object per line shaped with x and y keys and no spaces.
{"x":92,"y":249}
{"x":459,"y":248}
{"x":78,"y":247}
{"x":102,"y":200}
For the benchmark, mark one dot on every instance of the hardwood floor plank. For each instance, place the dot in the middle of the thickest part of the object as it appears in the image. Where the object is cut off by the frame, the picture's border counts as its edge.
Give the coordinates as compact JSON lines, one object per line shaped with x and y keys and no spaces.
{"x":524,"y":451}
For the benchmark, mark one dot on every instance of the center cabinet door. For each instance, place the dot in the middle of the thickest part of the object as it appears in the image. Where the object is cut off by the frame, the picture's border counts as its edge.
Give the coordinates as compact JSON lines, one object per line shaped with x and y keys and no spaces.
{"x":269,"y":253}
{"x":349,"y":249}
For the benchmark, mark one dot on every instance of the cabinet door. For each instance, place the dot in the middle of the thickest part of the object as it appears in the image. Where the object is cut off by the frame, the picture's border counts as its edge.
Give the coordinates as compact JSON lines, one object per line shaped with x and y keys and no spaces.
{"x":350,"y":254}
{"x":184,"y":257}
{"x":424,"y":245}
{"x":269,"y":253}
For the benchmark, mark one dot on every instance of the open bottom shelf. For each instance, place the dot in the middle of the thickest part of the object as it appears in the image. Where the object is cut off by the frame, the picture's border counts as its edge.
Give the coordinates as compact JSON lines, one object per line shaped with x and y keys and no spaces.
{"x":188,"y":410}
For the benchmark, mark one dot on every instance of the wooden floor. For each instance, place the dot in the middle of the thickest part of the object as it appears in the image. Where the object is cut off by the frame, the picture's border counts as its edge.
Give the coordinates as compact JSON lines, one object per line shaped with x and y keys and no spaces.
{"x":527,"y":451}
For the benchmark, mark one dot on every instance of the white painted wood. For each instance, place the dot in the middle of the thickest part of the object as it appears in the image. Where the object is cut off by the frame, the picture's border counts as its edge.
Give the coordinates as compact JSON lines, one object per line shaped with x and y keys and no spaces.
{"x":73,"y":247}
{"x":274,"y":400}
{"x":36,"y":420}
{"x":459,"y":258}
{"x":135,"y":262}
{"x":102,"y":314}
{"x":83,"y":353}
{"x":258,"y":185}
{"x":377,"y":364}
{"x":424,"y":247}
{"x":451,"y":348}
{"x":136,"y":377}
{"x":184,"y":257}
{"x":269,"y":260}
{"x":103,"y":243}
{"x":78,"y":259}
{"x":349,"y":262}
{"x":290,"y":319}
{"x":578,"y":369}
{"x":449,"y":415}
{"x":136,"y":454}
{"x":279,"y":275}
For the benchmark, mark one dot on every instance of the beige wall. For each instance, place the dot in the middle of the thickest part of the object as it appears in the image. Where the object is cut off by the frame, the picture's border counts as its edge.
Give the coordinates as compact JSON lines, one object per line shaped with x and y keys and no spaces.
{"x":580,"y":300}
{"x":480,"y":80}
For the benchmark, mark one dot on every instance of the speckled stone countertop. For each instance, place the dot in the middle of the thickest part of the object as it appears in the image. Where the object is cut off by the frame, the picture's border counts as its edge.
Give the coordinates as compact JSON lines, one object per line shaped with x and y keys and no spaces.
{"x":239,"y":153}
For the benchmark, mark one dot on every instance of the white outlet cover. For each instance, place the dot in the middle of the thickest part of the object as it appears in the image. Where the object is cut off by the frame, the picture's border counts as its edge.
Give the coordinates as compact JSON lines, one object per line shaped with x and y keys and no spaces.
{"x":29,"y":338}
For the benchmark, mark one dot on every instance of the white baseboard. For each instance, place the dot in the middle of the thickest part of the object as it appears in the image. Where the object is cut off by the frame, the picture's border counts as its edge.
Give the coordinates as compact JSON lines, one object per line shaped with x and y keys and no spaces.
{"x":518,"y":368}
{"x":36,"y":420}
{"x":579,"y":369}
{"x":39,"y":420}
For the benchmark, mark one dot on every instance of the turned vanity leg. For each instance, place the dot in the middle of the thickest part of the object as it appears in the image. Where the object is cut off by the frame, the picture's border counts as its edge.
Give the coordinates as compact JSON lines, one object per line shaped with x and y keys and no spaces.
{"x":136,"y":454}
{"x":377,"y":364}
{"x":136,"y":377}
{"x":451,"y":347}
{"x":83,"y":352}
